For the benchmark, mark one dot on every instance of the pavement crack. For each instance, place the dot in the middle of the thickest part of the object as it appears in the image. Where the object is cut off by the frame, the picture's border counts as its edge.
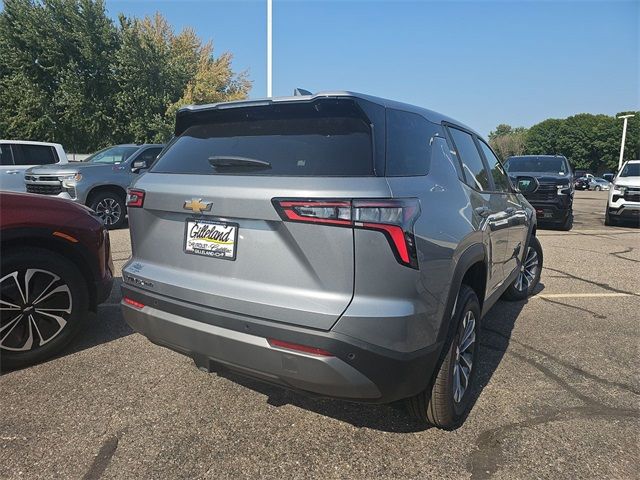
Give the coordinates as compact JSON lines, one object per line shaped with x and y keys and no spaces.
{"x":602,"y":285}
{"x":100,"y":463}
{"x":563,"y":363}
{"x":595,"y":314}
{"x":489,"y":456}
{"x":627,"y":250}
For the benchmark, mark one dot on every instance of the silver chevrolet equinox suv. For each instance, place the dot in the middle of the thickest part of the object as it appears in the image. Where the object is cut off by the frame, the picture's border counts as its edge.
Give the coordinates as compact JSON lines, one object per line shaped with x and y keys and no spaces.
{"x":338,"y":244}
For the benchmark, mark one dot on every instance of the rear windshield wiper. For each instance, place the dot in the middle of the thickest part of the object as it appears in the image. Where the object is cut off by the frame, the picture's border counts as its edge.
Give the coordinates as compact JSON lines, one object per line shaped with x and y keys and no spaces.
{"x":231,"y":161}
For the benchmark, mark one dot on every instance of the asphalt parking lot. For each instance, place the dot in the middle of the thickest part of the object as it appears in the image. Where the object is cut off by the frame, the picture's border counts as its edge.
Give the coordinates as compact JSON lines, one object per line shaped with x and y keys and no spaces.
{"x":559,"y":394}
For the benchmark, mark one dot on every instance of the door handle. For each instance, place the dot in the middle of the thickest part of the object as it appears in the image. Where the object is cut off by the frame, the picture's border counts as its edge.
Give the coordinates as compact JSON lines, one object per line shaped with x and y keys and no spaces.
{"x":483,"y":211}
{"x":12,"y":172}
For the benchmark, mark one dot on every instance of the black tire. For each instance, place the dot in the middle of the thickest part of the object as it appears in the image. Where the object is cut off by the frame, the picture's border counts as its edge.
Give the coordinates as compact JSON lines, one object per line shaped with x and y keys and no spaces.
{"x":517,"y":291}
{"x":598,"y":188}
{"x":608,"y":220}
{"x":66,"y":298}
{"x":568,"y":223}
{"x":436,"y":406}
{"x":111,"y":208}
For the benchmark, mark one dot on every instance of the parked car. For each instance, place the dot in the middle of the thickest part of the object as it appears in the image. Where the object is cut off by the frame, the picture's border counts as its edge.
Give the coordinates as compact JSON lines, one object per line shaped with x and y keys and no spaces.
{"x":100,"y":182}
{"x":55,"y":267}
{"x":16,"y":156}
{"x":608,"y":176}
{"x":336,"y":243}
{"x":582,"y":183}
{"x":582,"y":173}
{"x":597,"y":183}
{"x":553,"y":199}
{"x":624,"y":196}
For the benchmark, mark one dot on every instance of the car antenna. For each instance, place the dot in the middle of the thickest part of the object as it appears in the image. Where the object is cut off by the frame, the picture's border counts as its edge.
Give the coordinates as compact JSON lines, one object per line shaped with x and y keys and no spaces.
{"x":298,"y":92}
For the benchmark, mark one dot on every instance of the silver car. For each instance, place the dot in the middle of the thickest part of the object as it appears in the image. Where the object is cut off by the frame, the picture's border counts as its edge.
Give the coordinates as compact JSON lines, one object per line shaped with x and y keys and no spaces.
{"x":337,"y":244}
{"x":100,"y":182}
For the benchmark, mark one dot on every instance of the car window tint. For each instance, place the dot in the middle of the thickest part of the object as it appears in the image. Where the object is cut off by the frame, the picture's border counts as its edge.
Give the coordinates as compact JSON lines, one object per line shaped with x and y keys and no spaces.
{"x":327,"y":137}
{"x":35,"y":155}
{"x":5,"y":155}
{"x":150,"y":154}
{"x":408,"y":143}
{"x":474,"y":169}
{"x":500,"y":179}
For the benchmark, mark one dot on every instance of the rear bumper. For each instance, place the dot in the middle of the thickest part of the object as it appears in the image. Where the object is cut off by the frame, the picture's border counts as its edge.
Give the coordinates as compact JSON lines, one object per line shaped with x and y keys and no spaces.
{"x":356,"y":370}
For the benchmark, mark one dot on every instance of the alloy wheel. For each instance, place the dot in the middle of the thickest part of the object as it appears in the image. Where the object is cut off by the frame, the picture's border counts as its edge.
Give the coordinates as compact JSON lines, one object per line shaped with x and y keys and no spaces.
{"x":464,"y":357}
{"x":528,"y":270}
{"x":108,"y":209}
{"x":35,"y":306}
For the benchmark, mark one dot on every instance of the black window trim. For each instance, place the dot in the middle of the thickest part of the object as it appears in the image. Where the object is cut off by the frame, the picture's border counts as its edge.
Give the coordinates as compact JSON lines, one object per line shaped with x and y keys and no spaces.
{"x":449,"y":126}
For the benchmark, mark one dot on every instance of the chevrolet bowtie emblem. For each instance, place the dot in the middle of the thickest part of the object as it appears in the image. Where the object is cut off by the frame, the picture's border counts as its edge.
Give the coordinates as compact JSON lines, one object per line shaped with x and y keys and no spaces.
{"x":197,"y":205}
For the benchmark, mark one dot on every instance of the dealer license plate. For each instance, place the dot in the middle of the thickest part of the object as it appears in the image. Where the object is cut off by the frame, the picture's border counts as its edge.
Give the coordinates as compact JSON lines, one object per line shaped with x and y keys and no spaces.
{"x":211,"y":238}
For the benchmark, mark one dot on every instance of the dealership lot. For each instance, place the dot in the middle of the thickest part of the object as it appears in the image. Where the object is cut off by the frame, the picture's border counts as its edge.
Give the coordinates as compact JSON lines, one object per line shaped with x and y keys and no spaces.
{"x":559,"y":397}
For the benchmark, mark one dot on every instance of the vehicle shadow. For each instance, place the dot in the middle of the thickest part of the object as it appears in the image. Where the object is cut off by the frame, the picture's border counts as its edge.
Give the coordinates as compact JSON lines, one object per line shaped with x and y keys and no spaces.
{"x":104,"y":326}
{"x":493,"y":342}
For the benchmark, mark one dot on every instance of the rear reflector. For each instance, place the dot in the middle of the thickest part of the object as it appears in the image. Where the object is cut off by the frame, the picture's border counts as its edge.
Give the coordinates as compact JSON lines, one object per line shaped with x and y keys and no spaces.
{"x":392,"y":217}
{"x":135,"y":198}
{"x":298,"y":348}
{"x":133,"y":303}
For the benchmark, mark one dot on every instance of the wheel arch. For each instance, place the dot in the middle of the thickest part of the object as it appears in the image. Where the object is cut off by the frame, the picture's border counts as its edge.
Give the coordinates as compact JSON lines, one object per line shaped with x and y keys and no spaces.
{"x":471,"y":270}
{"x":106,"y":188}
{"x":44,"y":240}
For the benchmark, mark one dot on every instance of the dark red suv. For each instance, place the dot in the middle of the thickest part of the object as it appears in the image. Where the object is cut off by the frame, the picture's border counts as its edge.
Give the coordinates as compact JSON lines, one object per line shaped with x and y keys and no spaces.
{"x":55,"y":266}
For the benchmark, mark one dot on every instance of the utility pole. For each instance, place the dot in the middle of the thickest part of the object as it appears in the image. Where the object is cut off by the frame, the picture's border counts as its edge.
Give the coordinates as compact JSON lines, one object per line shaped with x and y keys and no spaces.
{"x":624,"y":137}
{"x":269,"y":50}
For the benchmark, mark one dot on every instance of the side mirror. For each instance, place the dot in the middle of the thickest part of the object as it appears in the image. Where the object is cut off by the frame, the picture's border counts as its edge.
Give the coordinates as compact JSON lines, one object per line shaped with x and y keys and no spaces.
{"x":139,"y":165}
{"x":526,"y":185}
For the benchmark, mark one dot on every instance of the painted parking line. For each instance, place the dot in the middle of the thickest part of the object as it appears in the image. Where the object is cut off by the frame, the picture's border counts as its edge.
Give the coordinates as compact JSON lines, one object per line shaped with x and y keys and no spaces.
{"x":584,"y":295}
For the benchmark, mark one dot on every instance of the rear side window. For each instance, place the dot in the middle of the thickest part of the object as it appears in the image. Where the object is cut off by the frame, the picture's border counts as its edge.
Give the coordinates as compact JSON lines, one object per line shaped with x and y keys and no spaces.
{"x":34,"y":155}
{"x":474,"y":170}
{"x":325,"y":138}
{"x":500,"y":179}
{"x":5,"y":155}
{"x":408,"y":143}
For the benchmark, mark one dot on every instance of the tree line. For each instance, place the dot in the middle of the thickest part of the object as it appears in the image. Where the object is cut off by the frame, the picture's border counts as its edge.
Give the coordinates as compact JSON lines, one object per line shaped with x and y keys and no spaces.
{"x":70,"y":74}
{"x":590,"y":142}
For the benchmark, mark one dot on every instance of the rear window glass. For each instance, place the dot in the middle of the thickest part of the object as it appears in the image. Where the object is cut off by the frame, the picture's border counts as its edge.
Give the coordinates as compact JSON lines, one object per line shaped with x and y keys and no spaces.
{"x":323,"y":138}
{"x":536,"y":164}
{"x":408,"y":143}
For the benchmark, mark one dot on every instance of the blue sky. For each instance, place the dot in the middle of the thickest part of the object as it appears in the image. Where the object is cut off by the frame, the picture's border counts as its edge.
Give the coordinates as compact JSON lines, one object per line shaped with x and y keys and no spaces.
{"x":482,"y":62}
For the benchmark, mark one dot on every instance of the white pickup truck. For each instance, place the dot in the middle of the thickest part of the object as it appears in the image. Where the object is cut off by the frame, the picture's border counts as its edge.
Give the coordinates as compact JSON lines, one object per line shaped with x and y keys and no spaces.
{"x":18,"y":155}
{"x":624,"y":196}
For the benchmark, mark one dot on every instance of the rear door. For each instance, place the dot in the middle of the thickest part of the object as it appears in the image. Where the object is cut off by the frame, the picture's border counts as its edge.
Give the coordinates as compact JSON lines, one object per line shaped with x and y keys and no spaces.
{"x":25,"y":156}
{"x":221,"y":180}
{"x":11,"y":178}
{"x":489,"y":205}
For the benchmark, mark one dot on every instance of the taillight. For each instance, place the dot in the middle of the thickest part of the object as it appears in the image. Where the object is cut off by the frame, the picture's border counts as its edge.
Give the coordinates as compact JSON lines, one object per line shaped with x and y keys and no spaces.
{"x":135,"y":198}
{"x":392,"y":217}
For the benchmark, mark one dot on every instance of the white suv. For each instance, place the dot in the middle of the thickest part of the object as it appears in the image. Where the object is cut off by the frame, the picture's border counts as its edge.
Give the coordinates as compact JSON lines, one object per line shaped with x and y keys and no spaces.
{"x":624,"y":196}
{"x":18,"y":155}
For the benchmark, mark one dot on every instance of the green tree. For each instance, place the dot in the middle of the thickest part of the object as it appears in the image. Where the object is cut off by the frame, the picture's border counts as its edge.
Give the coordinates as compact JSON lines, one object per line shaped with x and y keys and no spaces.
{"x":69,"y":74}
{"x":507,"y":141}
{"x":56,"y":81}
{"x":158,"y":71}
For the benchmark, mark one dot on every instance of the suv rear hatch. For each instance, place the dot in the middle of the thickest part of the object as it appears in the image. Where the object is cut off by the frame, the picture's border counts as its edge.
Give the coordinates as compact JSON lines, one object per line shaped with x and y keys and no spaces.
{"x":227,"y":166}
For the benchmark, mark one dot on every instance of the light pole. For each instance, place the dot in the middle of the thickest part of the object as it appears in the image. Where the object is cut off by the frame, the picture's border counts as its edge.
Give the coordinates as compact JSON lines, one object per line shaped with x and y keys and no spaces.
{"x":269,"y":48}
{"x":624,"y":137}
